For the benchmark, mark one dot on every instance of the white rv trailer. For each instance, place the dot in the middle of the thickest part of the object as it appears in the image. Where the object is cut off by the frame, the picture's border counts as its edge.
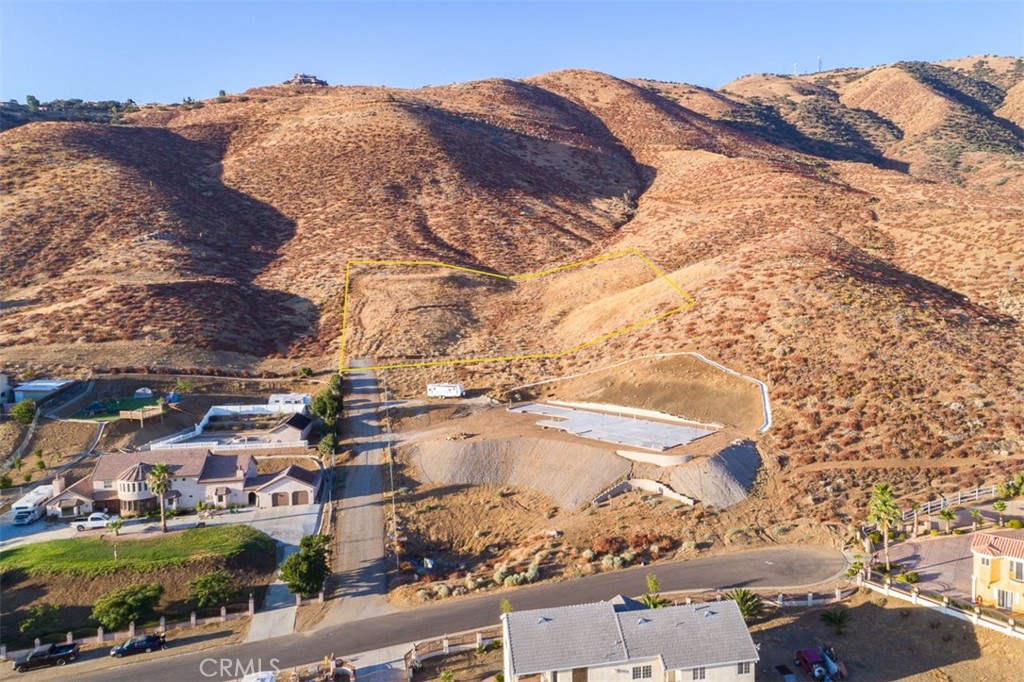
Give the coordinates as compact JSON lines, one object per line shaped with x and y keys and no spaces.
{"x":32,"y":506}
{"x":445,"y":390}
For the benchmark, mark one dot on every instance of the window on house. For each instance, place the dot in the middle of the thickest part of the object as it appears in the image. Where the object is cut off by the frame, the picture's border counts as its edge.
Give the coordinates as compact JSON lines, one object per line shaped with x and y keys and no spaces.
{"x":1017,"y":571}
{"x":743,"y":668}
{"x":108,"y":484}
{"x":698,"y":673}
{"x":986,"y":561}
{"x":642,"y":672}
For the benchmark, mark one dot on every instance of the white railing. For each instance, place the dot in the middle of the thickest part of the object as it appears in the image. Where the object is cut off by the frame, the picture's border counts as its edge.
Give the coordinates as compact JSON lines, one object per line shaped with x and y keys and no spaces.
{"x":1007,"y":626}
{"x":260,"y":446}
{"x":956,"y":499}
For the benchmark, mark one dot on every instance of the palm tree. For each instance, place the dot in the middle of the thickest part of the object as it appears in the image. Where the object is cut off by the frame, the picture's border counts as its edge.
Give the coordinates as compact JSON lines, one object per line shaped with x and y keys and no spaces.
{"x":883,"y":512}
{"x":159,"y":482}
{"x":916,"y":507}
{"x":1000,"y":507}
{"x":836,"y":618}
{"x":949,"y":516}
{"x":750,"y":605}
{"x":976,"y":519}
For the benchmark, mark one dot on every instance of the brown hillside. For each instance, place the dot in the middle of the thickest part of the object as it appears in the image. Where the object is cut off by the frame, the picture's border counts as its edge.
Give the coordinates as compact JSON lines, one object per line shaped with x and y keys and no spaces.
{"x":852,"y":238}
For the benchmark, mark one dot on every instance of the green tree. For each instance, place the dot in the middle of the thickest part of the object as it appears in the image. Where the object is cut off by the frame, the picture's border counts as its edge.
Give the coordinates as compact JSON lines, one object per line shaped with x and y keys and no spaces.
{"x":305,"y":571}
{"x":750,"y":605}
{"x":116,"y":609}
{"x":305,"y":372}
{"x":836,"y":618}
{"x":221,"y":93}
{"x":999,"y":506}
{"x":326,"y":445}
{"x":27,"y":477}
{"x":883,"y":512}
{"x":31,"y":102}
{"x":5,"y":481}
{"x":158,"y":480}
{"x":446,"y":675}
{"x":24,"y":412}
{"x":214,"y":588}
{"x":976,"y":519}
{"x":184,"y":385}
{"x":40,"y":464}
{"x":949,"y":516}
{"x":326,"y":404}
{"x":42,"y":619}
{"x":115,"y":526}
{"x":16,"y":464}
{"x":653,"y":599}
{"x":505,"y":606}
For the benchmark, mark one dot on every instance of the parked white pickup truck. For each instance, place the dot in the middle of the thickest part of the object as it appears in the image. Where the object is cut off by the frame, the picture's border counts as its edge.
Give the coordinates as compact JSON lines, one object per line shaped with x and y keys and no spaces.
{"x":96,"y":520}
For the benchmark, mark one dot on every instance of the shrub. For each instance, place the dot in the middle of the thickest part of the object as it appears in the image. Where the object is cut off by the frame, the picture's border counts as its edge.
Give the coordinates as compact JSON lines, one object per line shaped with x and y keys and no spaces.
{"x":5,"y":481}
{"x":910,"y":577}
{"x":214,"y":588}
{"x":500,"y":573}
{"x":1016,"y":524}
{"x":876,"y":538}
{"x":443,"y":591}
{"x":116,"y":609}
{"x":24,"y":412}
{"x":305,"y":571}
{"x":305,"y":372}
{"x":609,"y":545}
{"x":935,"y":531}
{"x":588,"y":554}
{"x":42,"y":619}
{"x":750,"y":605}
{"x":838,"y":618}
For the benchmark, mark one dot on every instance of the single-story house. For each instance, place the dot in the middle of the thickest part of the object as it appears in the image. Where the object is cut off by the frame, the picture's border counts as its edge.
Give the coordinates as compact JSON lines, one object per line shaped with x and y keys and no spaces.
{"x":293,"y":429}
{"x":623,"y":640}
{"x":291,"y":486}
{"x":67,"y":503}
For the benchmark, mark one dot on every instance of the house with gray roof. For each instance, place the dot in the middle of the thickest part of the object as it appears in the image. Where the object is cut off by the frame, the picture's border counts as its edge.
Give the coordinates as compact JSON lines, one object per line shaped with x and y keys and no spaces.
{"x":622,"y":640}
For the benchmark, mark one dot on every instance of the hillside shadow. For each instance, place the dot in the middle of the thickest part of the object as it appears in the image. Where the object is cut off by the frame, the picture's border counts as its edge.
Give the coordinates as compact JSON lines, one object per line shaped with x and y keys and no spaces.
{"x":222,"y":238}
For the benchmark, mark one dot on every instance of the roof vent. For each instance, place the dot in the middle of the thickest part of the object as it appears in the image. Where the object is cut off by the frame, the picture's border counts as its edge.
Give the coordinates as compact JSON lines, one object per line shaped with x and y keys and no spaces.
{"x":708,"y":614}
{"x":642,"y":621}
{"x":542,"y":620}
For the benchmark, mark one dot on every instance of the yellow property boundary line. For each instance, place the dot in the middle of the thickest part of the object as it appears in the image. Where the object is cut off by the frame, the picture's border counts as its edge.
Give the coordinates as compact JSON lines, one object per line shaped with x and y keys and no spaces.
{"x":690,"y":302}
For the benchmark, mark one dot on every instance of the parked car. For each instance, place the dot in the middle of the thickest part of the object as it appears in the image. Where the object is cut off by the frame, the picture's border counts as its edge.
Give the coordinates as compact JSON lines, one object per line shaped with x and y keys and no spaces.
{"x":94,"y":520}
{"x":45,"y":656}
{"x":810,"y":661}
{"x":138,"y":645}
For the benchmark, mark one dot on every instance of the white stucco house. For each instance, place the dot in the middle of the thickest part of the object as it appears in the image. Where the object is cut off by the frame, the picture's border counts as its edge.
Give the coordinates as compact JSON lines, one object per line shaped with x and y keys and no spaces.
{"x":623,"y":641}
{"x":118,"y":483}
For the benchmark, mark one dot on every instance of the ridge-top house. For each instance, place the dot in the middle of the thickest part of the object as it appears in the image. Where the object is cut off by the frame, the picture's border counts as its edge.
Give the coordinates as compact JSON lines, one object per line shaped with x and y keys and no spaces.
{"x":624,"y":640}
{"x":997,"y":578}
{"x":118,"y":483}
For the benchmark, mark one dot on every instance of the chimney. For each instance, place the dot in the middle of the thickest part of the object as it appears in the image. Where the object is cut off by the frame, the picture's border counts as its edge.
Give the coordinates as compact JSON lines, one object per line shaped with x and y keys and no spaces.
{"x":58,"y":485}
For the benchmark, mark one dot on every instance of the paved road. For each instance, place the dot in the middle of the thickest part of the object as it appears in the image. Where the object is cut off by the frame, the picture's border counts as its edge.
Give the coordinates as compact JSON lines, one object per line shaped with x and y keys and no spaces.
{"x":779,"y":566}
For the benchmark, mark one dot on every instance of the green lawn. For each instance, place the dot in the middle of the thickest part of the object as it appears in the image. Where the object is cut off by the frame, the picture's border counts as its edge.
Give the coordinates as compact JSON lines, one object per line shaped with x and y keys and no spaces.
{"x":114,"y":408}
{"x":95,"y":556}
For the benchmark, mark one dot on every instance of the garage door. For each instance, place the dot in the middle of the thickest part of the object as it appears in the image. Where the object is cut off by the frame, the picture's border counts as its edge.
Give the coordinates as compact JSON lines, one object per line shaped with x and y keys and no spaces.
{"x":300,"y":497}
{"x":279,"y":500}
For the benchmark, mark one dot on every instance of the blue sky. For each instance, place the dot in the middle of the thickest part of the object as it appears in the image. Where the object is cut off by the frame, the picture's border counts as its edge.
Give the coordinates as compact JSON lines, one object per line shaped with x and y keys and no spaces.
{"x":165,"y":51}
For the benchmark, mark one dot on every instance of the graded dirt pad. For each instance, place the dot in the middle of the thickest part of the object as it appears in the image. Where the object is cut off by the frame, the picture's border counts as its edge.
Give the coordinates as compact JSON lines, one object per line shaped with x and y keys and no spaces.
{"x":11,"y":435}
{"x":891,"y":640}
{"x":681,"y":385}
{"x":572,"y":474}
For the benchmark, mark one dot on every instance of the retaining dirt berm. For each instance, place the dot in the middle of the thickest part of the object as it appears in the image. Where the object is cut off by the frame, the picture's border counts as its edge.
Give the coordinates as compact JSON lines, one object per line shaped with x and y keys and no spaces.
{"x":571,"y":473}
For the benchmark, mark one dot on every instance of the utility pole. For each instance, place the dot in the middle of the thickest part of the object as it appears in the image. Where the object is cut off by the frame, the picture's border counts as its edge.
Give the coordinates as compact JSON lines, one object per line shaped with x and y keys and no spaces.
{"x":794,"y":68}
{"x":819,"y":63}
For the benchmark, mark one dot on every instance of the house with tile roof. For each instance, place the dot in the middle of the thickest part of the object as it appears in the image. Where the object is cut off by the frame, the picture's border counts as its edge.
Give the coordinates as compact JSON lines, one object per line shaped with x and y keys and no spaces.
{"x":118,"y":483}
{"x":623,"y":640}
{"x":997,"y":578}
